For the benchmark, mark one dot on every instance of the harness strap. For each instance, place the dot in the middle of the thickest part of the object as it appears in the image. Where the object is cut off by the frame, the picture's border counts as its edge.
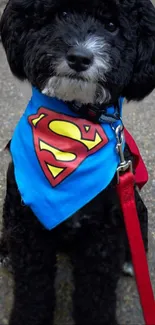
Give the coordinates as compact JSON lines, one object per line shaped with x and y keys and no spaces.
{"x":125,"y":190}
{"x":141,"y":174}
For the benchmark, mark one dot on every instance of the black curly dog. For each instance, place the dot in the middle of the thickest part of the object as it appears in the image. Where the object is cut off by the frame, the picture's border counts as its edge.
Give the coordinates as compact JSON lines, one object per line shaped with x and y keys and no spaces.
{"x":92,"y":52}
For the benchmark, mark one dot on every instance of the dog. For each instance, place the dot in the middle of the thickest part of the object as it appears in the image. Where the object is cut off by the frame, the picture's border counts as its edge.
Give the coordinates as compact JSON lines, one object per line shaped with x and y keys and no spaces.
{"x":90,"y":54}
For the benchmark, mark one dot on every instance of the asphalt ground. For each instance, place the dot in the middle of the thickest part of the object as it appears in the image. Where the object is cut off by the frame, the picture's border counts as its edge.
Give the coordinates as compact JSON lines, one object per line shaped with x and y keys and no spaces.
{"x":140,"y":120}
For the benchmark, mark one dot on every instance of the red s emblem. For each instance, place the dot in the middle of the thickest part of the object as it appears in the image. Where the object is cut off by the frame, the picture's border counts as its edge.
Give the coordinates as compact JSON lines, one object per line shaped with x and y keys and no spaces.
{"x":63,"y":142}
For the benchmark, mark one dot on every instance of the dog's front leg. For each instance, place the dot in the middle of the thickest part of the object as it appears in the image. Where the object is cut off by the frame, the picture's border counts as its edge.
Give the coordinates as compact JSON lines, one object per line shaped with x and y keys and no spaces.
{"x":32,"y":251}
{"x":34,"y":295}
{"x":96,"y":270}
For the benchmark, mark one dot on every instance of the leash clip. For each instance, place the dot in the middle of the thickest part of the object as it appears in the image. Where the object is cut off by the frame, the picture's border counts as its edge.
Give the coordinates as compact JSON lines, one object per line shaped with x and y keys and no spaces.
{"x":124,"y":165}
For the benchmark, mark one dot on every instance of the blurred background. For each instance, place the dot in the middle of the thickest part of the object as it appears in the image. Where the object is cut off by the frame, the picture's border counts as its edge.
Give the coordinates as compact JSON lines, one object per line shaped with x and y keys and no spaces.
{"x":140,"y":121}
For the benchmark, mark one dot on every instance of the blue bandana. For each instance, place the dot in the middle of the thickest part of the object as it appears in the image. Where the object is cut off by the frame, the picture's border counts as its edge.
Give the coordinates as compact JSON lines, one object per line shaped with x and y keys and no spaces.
{"x":61,"y":161}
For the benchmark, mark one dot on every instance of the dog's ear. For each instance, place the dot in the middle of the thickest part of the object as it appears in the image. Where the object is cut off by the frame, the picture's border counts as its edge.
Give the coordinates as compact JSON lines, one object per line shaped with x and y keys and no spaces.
{"x":143,"y":80}
{"x":14,"y":27}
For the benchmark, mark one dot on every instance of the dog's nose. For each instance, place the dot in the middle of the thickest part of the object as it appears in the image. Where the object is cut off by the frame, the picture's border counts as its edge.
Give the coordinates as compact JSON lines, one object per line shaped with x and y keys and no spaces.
{"x":79,"y":59}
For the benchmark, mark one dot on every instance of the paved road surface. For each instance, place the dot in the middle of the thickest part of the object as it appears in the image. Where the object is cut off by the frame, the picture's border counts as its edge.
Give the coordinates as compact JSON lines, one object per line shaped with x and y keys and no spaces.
{"x":140,"y":119}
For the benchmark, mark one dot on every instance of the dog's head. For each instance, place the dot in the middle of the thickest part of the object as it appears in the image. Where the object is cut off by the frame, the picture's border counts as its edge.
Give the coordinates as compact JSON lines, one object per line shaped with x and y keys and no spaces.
{"x":92,"y":51}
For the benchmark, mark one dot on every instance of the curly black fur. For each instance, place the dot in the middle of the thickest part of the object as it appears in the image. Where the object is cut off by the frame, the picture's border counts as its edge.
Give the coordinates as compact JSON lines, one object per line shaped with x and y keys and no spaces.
{"x":36,"y":35}
{"x":97,"y":249}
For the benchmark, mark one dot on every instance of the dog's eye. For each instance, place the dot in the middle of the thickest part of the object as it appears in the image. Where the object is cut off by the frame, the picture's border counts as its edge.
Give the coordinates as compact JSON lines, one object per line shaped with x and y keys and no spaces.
{"x":111,"y":27}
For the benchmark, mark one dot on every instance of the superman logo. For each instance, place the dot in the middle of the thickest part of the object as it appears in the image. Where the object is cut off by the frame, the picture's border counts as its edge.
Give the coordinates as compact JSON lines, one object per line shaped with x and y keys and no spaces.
{"x":63,"y":142}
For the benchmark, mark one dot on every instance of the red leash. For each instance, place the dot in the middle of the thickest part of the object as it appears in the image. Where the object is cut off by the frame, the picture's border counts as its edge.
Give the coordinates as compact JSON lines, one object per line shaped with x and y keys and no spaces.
{"x":126,"y":194}
{"x":125,"y":188}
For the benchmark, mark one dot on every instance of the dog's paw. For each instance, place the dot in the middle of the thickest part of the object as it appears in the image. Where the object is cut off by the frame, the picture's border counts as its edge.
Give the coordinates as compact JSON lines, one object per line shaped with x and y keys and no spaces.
{"x":128,"y":269}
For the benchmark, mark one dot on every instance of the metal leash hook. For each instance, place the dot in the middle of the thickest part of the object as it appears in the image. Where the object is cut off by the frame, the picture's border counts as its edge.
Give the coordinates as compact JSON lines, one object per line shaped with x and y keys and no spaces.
{"x":124,"y":165}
